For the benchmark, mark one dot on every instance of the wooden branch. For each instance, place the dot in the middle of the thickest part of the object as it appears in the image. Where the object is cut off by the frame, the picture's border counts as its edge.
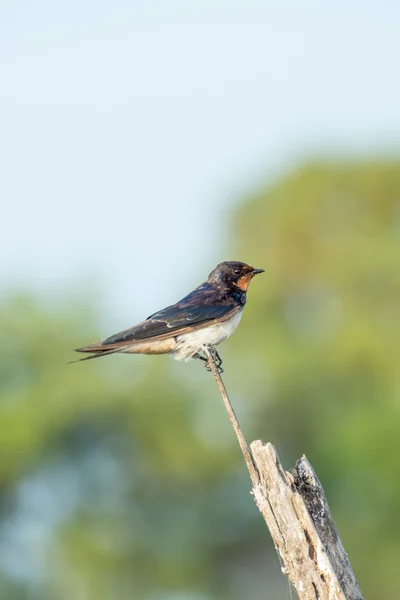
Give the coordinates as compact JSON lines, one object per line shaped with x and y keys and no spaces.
{"x":297,"y":514}
{"x":232,"y":417}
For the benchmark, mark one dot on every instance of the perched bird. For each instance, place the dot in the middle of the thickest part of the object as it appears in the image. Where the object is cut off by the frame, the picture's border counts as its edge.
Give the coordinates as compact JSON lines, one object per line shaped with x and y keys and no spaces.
{"x":203,"y":318}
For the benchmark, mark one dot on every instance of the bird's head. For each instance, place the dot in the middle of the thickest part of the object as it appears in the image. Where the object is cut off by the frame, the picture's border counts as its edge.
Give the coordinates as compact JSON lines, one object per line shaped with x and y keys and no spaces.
{"x":234,"y":274}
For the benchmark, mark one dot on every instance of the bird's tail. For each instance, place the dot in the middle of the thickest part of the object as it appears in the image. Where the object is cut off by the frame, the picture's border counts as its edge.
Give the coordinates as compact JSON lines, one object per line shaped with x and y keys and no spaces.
{"x":95,"y":351}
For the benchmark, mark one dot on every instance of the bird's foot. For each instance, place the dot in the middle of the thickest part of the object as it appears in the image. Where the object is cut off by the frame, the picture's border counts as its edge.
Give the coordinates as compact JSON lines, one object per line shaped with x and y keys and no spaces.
{"x":198,"y":356}
{"x":216,"y":358}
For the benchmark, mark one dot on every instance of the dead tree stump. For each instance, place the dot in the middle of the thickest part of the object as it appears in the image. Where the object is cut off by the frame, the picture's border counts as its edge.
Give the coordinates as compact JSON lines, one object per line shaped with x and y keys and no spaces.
{"x":297,"y":514}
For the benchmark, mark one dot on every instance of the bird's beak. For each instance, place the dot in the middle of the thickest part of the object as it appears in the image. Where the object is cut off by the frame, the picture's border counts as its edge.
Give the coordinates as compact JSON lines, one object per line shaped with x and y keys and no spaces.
{"x":257,"y":271}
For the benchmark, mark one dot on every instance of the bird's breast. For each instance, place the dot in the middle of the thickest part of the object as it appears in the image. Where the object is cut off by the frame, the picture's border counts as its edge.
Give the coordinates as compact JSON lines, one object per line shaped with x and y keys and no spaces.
{"x":212,"y":335}
{"x":225,"y":329}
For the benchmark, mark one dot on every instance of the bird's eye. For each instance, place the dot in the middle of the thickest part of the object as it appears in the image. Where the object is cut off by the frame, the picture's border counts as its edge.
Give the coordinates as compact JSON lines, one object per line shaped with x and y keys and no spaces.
{"x":237,"y":271}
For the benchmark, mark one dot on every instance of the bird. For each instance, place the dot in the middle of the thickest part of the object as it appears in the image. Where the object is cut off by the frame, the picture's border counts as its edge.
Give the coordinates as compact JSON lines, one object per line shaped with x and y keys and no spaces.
{"x":201,"y":320}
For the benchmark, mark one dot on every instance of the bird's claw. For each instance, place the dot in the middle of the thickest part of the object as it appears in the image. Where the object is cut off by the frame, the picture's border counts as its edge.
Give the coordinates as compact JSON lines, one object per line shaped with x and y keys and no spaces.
{"x":216,"y":358}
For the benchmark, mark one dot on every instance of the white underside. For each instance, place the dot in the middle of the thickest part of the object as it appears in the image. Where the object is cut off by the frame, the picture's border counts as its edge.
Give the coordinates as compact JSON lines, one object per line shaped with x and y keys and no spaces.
{"x":190,"y":343}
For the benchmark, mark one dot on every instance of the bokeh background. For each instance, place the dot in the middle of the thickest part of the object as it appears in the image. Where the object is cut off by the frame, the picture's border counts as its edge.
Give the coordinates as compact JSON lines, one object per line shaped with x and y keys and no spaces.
{"x":142,"y":143}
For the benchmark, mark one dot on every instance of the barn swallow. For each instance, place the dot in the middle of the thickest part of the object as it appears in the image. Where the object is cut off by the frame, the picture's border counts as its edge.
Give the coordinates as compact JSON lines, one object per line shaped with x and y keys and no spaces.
{"x":203,"y":318}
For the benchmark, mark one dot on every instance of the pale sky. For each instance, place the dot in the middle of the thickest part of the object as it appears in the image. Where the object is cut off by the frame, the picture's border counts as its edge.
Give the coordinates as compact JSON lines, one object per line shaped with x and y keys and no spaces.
{"x":129,"y":130}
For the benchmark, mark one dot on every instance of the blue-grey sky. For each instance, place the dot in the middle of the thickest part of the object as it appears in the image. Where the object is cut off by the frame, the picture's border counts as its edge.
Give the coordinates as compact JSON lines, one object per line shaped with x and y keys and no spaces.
{"x":130,"y":129}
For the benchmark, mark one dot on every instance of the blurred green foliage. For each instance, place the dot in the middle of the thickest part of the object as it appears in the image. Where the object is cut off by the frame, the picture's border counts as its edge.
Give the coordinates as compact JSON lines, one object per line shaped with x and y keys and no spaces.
{"x":120,"y":478}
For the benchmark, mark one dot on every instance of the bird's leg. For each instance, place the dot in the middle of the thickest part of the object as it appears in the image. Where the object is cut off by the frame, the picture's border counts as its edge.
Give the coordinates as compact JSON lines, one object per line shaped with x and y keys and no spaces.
{"x":200,"y":357}
{"x":218,"y":361}
{"x":216,"y":358}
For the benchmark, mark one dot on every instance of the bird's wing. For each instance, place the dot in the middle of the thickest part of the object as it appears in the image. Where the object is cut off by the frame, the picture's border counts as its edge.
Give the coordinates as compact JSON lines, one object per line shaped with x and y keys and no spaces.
{"x":172,"y":321}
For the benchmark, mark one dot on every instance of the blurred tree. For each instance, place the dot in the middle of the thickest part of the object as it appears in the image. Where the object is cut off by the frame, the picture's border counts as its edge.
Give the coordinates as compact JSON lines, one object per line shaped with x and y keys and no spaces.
{"x":322,"y":344}
{"x":112,"y":486}
{"x":121,"y":478}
